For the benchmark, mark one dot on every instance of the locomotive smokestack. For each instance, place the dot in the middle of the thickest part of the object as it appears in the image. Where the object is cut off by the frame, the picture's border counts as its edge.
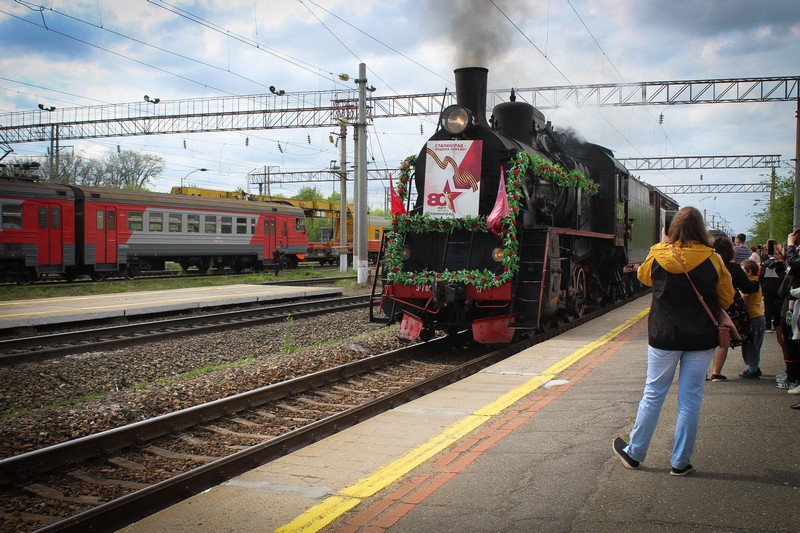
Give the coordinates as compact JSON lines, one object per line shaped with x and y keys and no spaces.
{"x":471,"y":86}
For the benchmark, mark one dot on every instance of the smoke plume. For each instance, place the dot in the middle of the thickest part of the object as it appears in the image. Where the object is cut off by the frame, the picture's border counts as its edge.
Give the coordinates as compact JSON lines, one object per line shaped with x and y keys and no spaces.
{"x":480,"y":33}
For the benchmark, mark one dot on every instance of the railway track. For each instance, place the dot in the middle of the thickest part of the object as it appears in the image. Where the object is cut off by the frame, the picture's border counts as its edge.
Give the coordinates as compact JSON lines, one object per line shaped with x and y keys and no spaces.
{"x":110,"y":479}
{"x":41,"y":347}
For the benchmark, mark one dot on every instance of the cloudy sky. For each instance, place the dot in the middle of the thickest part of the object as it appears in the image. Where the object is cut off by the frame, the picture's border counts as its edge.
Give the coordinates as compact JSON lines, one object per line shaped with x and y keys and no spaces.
{"x":74,"y":53}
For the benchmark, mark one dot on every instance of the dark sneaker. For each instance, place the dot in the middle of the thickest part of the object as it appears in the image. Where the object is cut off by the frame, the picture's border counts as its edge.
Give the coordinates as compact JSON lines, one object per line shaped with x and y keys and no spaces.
{"x":795,"y":406}
{"x":750,"y":374}
{"x":619,"y":449}
{"x":718,"y":377}
{"x":681,"y":471}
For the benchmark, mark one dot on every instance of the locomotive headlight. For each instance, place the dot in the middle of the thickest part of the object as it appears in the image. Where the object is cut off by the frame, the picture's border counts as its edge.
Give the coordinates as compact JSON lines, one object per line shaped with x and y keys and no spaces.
{"x":406,"y":253}
{"x":498,"y":255}
{"x":456,"y":119}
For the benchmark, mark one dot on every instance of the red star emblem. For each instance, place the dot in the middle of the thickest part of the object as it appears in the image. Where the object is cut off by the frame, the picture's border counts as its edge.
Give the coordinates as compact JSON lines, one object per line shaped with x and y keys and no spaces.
{"x":450,"y":196}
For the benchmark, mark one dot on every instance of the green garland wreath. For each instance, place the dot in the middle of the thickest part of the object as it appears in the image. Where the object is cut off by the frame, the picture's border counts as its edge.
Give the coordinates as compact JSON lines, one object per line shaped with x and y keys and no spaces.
{"x":480,"y":279}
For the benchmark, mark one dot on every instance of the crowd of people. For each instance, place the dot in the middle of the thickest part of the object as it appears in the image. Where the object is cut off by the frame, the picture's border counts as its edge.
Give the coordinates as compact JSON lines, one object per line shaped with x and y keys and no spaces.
{"x":769,"y":289}
{"x":758,"y":286}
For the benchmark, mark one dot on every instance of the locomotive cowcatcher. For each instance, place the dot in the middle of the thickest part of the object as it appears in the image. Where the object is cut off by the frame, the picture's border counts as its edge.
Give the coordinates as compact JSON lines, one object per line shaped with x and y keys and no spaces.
{"x":515,"y":226}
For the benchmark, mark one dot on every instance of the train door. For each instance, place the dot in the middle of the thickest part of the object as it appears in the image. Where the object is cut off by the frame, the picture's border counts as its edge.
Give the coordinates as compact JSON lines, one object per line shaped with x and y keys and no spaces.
{"x":50,"y":246}
{"x":283,"y":234}
{"x":106,"y":235}
{"x":270,"y":235}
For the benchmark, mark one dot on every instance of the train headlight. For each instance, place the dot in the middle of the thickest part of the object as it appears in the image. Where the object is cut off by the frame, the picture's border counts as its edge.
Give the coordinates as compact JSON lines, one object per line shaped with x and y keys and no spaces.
{"x":498,"y":254}
{"x":456,"y":119}
{"x":406,"y":253}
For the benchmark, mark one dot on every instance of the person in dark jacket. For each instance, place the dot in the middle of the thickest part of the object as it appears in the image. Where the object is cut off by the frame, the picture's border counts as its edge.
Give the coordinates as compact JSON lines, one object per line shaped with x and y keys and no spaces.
{"x":724,"y":247}
{"x":680,"y":332}
{"x":771,"y":276}
{"x":791,"y":348}
{"x":277,"y":259}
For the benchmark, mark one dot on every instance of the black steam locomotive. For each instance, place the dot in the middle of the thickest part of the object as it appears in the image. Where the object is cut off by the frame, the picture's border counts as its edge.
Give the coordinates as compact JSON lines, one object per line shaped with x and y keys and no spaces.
{"x":515,"y":225}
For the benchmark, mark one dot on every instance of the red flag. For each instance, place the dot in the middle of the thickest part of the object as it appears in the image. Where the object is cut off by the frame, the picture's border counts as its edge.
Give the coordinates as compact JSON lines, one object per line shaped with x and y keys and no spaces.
{"x":397,"y":203}
{"x":500,"y":209}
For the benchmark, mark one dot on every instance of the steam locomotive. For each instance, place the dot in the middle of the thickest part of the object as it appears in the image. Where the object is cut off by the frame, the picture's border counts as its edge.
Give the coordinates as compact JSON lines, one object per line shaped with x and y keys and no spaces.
{"x":515,"y":226}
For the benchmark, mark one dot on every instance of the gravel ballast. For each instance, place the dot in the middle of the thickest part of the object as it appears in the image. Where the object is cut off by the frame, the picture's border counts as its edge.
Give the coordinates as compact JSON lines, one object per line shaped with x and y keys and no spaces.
{"x":53,"y":401}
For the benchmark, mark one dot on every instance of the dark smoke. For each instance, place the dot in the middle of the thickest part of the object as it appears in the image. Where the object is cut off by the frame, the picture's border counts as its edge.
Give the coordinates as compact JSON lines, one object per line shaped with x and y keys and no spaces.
{"x":477,"y":29}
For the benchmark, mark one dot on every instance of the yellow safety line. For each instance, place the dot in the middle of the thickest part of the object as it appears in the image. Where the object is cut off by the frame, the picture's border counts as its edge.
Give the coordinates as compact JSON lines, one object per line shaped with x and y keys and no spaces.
{"x":326,"y":512}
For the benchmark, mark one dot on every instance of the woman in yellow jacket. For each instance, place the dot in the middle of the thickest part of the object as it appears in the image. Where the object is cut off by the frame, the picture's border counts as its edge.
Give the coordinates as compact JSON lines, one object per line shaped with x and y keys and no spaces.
{"x":679,"y":331}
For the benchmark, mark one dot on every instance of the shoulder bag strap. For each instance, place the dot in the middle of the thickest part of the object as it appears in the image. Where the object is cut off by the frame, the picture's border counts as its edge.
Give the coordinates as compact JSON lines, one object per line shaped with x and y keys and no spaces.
{"x":700,"y":296}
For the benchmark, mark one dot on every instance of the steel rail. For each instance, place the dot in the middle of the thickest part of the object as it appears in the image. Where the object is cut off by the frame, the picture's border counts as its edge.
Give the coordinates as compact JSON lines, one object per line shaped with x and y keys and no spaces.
{"x":128,"y":334}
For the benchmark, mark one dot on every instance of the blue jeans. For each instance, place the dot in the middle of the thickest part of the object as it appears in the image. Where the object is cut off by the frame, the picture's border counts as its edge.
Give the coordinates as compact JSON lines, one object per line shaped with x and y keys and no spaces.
{"x":661,"y":366}
{"x":752,"y":350}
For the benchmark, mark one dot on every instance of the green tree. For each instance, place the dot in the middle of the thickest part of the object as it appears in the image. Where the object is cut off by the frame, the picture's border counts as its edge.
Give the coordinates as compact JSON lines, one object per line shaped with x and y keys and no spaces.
{"x":309,"y":194}
{"x":124,"y":169}
{"x":775,"y":221}
{"x":133,"y":170}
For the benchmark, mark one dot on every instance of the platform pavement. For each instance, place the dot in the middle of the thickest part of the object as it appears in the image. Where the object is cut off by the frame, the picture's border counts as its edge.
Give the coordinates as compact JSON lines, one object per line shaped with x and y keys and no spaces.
{"x":39,"y":311}
{"x":525,"y":445}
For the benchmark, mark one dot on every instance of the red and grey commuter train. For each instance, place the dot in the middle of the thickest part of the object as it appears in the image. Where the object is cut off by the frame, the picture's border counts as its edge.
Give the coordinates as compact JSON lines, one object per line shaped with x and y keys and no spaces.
{"x":71,"y":230}
{"x":516,"y":226}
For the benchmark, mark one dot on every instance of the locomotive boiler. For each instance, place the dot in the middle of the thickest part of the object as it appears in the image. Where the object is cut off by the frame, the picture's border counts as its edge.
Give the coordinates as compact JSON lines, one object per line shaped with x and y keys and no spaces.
{"x":515,"y":226}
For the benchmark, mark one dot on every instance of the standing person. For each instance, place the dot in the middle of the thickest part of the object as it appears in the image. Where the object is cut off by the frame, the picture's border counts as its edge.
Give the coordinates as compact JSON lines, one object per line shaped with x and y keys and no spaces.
{"x":741,"y":249}
{"x":791,"y":351}
{"x":738,"y":309}
{"x":751,"y":350}
{"x":679,"y":331}
{"x":772,"y":271}
{"x":754,"y":255}
{"x":277,"y":258}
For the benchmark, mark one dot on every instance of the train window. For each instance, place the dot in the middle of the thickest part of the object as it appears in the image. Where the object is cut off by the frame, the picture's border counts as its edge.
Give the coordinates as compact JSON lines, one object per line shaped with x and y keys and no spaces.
{"x":101,"y":219}
{"x":135,"y":221}
{"x":210,"y":223}
{"x":226,"y":225}
{"x":241,"y":226}
{"x":193,"y":223}
{"x":300,"y":224}
{"x":252,"y":230}
{"x":11,"y":216}
{"x":112,"y":220}
{"x":42,"y":218}
{"x":55,"y":218}
{"x":155,"y":222}
{"x":378,"y":233}
{"x":175,"y":222}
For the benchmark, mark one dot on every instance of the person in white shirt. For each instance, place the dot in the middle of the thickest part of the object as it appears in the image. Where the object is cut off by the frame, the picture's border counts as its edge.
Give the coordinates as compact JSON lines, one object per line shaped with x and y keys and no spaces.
{"x":754,"y":256}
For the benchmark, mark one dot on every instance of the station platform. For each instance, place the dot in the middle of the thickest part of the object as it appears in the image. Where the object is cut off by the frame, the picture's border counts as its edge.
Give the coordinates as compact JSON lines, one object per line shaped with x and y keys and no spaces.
{"x":525,"y":445}
{"x":43,"y":311}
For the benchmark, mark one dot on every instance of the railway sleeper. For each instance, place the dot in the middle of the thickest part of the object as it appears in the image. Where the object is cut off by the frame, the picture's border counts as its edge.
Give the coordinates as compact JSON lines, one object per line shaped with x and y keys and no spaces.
{"x":49,"y":493}
{"x":228,"y":432}
{"x":169,"y":454}
{"x":97,"y":480}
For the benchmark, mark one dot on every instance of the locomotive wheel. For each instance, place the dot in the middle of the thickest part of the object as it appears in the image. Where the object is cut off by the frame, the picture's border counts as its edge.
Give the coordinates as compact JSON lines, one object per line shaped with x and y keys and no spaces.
{"x":98,"y":276}
{"x":26,"y":278}
{"x":578,"y":291}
